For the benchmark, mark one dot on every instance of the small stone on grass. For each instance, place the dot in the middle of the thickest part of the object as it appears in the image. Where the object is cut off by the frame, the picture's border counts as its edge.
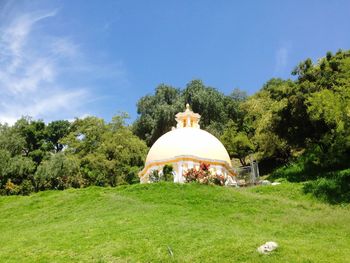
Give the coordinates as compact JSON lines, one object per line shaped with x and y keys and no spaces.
{"x":267,"y":247}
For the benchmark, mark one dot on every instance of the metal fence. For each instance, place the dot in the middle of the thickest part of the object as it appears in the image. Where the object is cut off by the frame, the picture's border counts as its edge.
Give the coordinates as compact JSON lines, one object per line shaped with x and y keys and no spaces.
{"x":248,"y":175}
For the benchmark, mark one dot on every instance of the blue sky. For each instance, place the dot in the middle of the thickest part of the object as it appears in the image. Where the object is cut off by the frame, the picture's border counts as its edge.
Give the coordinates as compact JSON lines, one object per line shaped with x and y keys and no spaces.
{"x":66,"y":59}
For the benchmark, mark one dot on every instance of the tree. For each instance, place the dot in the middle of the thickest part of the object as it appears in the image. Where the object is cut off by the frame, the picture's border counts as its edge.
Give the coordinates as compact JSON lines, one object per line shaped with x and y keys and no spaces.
{"x":157,"y":112}
{"x":261,"y":116}
{"x":59,"y":172}
{"x":237,"y":143}
{"x":233,"y":107}
{"x":108,"y":154}
{"x":85,"y":136}
{"x":56,"y":130}
{"x":18,"y":170}
{"x":207,"y":101}
{"x":34,"y":134}
{"x":11,"y":140}
{"x":313,"y":117}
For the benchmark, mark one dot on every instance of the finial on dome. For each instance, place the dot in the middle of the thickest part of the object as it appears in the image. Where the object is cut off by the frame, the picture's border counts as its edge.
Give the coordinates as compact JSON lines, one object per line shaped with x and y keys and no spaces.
{"x":187,"y":118}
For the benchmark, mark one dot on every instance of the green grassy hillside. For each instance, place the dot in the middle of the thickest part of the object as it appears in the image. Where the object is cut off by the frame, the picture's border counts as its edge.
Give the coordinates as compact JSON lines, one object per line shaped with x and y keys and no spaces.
{"x":172,"y":223}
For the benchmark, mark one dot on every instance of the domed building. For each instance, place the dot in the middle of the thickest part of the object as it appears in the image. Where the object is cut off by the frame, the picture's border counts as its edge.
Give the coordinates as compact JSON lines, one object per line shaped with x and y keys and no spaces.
{"x":185,"y":147}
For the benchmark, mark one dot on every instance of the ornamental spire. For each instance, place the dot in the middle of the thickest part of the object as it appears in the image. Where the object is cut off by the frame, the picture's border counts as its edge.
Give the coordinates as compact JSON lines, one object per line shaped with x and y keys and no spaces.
{"x":187,"y":119}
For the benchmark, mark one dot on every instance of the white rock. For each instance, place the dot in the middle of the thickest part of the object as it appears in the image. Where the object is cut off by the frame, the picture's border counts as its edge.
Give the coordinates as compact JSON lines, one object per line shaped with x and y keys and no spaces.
{"x":267,"y":247}
{"x":231,"y":182}
{"x":265,"y":182}
{"x":275,"y":183}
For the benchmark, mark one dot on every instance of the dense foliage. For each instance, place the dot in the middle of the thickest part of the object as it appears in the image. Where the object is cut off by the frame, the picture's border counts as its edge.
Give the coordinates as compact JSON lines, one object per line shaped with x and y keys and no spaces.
{"x":35,"y":156}
{"x":333,"y":188}
{"x":315,"y":123}
{"x":156,"y":112}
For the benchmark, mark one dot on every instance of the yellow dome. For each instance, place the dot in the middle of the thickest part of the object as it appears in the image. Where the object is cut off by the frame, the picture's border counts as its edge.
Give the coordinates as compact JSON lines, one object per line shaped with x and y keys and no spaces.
{"x":187,"y":141}
{"x":185,"y":147}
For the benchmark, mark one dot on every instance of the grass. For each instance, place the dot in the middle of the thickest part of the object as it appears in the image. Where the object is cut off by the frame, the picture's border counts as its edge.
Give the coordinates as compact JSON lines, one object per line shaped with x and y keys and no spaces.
{"x":172,"y":223}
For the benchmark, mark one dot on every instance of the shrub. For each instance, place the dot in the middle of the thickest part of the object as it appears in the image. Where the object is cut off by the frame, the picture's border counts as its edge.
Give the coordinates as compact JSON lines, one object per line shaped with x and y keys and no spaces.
{"x":11,"y":188}
{"x":15,"y":171}
{"x":132,"y":175}
{"x":154,"y":176}
{"x":334,"y":187}
{"x":168,"y":173}
{"x":165,"y":175}
{"x":204,"y":176}
{"x":59,"y":172}
{"x":317,"y":161}
{"x":26,"y":187}
{"x":293,"y":172}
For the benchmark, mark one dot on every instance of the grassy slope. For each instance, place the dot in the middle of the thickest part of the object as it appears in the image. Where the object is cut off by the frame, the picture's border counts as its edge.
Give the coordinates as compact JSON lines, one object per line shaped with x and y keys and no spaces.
{"x":199,"y":223}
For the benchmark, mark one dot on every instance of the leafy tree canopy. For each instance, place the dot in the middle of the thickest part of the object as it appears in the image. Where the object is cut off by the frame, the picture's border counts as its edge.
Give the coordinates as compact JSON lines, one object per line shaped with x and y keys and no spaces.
{"x":156,"y":112}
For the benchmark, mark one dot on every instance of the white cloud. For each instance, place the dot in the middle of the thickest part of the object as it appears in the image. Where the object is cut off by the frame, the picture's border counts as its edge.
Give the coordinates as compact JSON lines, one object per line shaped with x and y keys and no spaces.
{"x":65,"y":47}
{"x":281,"y":59}
{"x":30,"y":71}
{"x":29,"y":77}
{"x":42,"y":106}
{"x":15,"y":34}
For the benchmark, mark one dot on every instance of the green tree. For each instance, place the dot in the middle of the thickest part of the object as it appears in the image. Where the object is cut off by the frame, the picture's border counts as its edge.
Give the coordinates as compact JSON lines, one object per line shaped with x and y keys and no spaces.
{"x":314,"y":122}
{"x":18,"y":170}
{"x":157,"y":112}
{"x":207,"y":101}
{"x":85,"y":136}
{"x":109,"y":154}
{"x":11,"y":140}
{"x":261,"y":116}
{"x":56,"y":130}
{"x":59,"y":172}
{"x":237,"y":143}
{"x":34,"y":134}
{"x":233,"y":107}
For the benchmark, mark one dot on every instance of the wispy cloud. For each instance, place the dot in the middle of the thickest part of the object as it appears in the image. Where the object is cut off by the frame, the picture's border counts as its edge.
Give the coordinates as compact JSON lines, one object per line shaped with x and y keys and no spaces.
{"x":30,"y":71}
{"x":65,"y":47}
{"x":281,"y":59}
{"x":15,"y":35}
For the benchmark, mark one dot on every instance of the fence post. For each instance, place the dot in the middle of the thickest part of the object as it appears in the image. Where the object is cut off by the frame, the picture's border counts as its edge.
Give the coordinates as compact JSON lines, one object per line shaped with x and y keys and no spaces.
{"x":252,"y":170}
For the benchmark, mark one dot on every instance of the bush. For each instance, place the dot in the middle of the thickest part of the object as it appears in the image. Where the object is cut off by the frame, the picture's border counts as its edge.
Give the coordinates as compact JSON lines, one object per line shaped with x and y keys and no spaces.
{"x":11,"y":188}
{"x":168,"y":173}
{"x":334,"y":187}
{"x":132,"y":175}
{"x":15,"y":171}
{"x":294,"y":172}
{"x":204,"y":176}
{"x":308,"y":166}
{"x":59,"y":172}
{"x":165,"y":175}
{"x":26,"y":187}
{"x":154,"y":176}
